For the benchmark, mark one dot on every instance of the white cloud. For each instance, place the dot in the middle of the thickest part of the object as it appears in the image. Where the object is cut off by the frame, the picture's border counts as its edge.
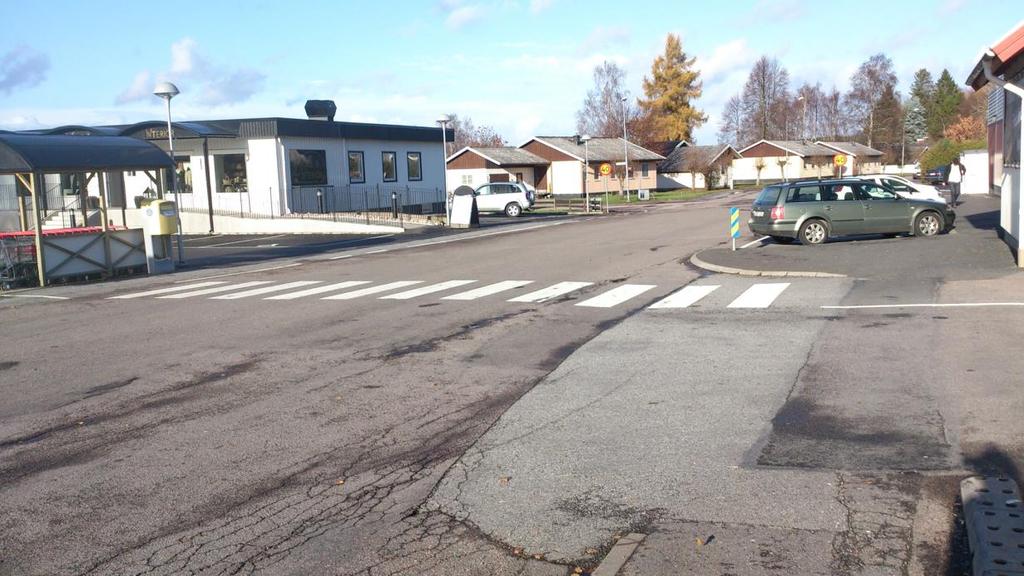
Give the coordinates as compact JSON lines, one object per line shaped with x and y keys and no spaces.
{"x":22,"y":67}
{"x":213,"y":84}
{"x":538,"y":6}
{"x":602,"y":37}
{"x":724,"y":59}
{"x":460,"y":16}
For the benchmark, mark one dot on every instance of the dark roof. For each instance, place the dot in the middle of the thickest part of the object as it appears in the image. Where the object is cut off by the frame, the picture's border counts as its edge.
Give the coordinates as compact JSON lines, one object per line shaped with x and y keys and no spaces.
{"x":599,"y":149}
{"x":505,"y":155}
{"x":800,"y":148}
{"x":665,"y":148}
{"x":693,"y":158}
{"x":21,"y":153}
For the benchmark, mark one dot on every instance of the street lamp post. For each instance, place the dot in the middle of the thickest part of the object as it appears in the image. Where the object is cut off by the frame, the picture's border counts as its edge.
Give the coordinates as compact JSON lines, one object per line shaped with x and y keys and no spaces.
{"x":166,"y":90}
{"x":625,"y":151}
{"x":443,"y":123}
{"x":586,"y":167}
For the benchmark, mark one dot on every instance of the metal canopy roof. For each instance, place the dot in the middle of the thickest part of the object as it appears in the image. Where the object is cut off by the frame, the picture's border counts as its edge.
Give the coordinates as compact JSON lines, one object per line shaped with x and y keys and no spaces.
{"x":155,"y":129}
{"x":22,"y":153}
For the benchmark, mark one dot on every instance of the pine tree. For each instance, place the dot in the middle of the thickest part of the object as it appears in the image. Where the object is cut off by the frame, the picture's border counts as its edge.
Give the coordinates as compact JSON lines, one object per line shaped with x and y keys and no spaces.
{"x":944,"y":106}
{"x":670,"y":92}
{"x":887,"y":126}
{"x":915,"y":120}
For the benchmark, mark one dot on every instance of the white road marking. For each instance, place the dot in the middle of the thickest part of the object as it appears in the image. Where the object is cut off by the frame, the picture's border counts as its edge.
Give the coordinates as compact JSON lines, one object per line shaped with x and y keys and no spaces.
{"x":44,"y":296}
{"x":373,"y":290}
{"x":686,"y":297}
{"x":759,"y":296}
{"x":488,"y":290}
{"x":758,"y":241}
{"x":216,"y":290}
{"x":319,"y":290}
{"x":267,"y":290}
{"x":381,"y":251}
{"x":240,"y":273}
{"x":616,"y":296}
{"x":165,"y":290}
{"x":464,"y":237}
{"x":427,"y":290}
{"x":554,"y":291}
{"x":342,"y":257}
{"x":243,"y":241}
{"x":935,"y":305}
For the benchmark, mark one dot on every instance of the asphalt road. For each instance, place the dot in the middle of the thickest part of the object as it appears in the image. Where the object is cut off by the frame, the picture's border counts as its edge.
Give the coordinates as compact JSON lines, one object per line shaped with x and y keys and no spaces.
{"x":247,"y":420}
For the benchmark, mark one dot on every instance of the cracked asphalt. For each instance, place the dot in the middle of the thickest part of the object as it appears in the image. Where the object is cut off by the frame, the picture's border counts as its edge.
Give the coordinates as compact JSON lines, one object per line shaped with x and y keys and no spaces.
{"x":373,"y":437}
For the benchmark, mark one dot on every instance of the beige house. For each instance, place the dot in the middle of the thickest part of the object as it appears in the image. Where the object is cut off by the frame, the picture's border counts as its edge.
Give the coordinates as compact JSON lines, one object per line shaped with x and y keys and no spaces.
{"x":778,"y":160}
{"x":567,"y":169}
{"x":685,"y":166}
{"x":860,"y":159}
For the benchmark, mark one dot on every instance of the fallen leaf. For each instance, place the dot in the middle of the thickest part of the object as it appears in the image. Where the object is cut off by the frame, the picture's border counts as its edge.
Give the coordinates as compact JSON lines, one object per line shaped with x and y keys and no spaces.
{"x":340,"y":481}
{"x":577,"y":570}
{"x":504,"y":480}
{"x":517,"y":551}
{"x":591,"y":551}
{"x":538,"y":556}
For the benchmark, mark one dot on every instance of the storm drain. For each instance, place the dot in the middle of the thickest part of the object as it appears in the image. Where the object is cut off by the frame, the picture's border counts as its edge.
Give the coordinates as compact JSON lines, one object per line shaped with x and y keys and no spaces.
{"x":995,"y":525}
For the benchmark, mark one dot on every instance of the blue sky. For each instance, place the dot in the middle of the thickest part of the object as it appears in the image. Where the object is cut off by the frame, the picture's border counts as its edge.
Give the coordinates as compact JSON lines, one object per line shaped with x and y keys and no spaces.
{"x":522,"y":66}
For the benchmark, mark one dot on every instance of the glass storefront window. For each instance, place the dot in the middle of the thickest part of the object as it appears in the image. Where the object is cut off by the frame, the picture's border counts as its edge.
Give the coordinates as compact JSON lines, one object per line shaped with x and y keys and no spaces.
{"x":308,"y":167}
{"x":231,"y":173}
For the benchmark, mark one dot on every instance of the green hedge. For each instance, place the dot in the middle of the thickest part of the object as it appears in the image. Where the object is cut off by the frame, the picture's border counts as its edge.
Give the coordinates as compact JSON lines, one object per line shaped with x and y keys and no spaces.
{"x":943,"y":152}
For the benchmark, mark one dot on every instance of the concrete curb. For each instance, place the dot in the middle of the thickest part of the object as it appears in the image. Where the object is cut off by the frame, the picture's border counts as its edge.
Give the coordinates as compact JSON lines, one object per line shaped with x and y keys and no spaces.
{"x":696,"y":261}
{"x":618,"y":555}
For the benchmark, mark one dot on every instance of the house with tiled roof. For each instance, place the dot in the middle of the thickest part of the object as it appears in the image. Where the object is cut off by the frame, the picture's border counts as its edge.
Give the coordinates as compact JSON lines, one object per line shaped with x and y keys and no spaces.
{"x":860,"y":159}
{"x":686,"y":167}
{"x":473,"y":166}
{"x":778,"y":160}
{"x":572,"y":161}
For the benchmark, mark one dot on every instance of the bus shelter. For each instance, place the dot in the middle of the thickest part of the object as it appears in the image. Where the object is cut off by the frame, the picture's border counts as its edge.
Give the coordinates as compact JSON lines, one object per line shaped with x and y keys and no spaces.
{"x":81,"y":251}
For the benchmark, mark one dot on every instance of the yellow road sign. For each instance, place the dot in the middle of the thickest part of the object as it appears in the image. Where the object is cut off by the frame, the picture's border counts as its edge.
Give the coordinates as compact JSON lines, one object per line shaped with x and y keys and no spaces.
{"x":840,"y":160}
{"x":605,"y":169}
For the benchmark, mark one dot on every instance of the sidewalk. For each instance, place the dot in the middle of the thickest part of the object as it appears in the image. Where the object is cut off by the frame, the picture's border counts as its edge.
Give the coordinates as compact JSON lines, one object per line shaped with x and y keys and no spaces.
{"x":972,"y":250}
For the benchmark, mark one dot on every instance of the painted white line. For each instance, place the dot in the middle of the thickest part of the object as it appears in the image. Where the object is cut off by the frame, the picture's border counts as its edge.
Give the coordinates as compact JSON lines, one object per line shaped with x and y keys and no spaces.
{"x":936,"y":305}
{"x":427,"y":290}
{"x":267,"y":290}
{"x":342,"y":257}
{"x":165,"y":290}
{"x":464,"y":237}
{"x":319,"y":290}
{"x":381,"y":251}
{"x":373,"y":290}
{"x":216,"y":290}
{"x":253,"y":239}
{"x":759,"y":296}
{"x":758,"y":241}
{"x":240,"y":273}
{"x":554,"y":291}
{"x":488,"y":290}
{"x":43,"y":296}
{"x":616,"y":296}
{"x":686,"y":297}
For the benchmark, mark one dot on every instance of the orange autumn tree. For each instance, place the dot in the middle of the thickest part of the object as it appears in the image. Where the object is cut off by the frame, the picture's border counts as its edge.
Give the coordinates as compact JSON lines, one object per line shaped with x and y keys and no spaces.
{"x":966,"y":128}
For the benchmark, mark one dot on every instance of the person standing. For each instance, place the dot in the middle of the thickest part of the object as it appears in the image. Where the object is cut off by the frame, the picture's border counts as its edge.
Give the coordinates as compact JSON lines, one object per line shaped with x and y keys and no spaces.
{"x":954,"y":178}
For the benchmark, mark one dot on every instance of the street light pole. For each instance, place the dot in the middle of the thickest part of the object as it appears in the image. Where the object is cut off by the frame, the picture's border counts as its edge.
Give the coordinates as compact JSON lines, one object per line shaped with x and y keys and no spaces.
{"x":166,"y":90}
{"x":443,"y":122}
{"x":586,"y":168}
{"x":625,"y":151}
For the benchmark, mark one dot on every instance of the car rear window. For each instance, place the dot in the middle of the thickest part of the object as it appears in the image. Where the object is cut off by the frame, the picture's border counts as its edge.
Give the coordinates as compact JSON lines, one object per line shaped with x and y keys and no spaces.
{"x":810,"y":193}
{"x":768,"y":196}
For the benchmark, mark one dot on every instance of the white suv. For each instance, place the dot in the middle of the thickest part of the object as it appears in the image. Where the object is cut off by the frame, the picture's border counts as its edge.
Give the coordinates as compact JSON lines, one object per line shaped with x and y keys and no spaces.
{"x":904,"y":187}
{"x":508,"y":197}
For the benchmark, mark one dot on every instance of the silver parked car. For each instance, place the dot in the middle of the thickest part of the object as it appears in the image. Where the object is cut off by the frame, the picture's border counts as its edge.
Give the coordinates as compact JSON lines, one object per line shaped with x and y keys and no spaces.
{"x":512,"y":198}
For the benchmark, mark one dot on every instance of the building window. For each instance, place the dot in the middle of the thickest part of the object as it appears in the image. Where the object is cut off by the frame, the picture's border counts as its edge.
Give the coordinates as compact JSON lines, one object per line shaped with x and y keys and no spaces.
{"x":467,"y":179}
{"x":644,"y":169}
{"x":389,"y":162}
{"x":309,"y":167}
{"x":183,"y":165}
{"x":414,"y":166}
{"x":355,"y":168}
{"x":1011,"y":130}
{"x":230,"y":172}
{"x":519,"y":176}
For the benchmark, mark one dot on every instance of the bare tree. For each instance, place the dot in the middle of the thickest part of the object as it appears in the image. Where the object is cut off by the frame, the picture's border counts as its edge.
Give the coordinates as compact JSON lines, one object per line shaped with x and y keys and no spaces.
{"x":764,"y":98}
{"x":602,"y":110}
{"x":868,"y":85}
{"x":731,"y":127}
{"x":468,"y":134}
{"x":833,"y":119}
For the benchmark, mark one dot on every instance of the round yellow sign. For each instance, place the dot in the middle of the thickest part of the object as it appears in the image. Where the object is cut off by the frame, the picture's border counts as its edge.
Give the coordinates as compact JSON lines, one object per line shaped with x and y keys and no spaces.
{"x":840,"y":160}
{"x":605,"y":169}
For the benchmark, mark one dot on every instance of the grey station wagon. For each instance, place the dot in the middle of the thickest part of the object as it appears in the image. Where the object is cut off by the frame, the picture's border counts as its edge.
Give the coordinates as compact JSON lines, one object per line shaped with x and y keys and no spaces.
{"x":814,"y":211}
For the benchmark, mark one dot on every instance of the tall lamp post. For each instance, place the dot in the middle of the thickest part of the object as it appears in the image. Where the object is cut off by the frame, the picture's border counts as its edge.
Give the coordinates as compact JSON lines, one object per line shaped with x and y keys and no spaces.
{"x":625,"y":150}
{"x":166,"y":90}
{"x":443,"y":123}
{"x":586,"y":167}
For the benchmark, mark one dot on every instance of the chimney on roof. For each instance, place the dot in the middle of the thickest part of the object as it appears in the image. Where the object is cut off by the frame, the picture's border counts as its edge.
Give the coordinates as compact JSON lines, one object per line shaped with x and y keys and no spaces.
{"x":321,"y":110}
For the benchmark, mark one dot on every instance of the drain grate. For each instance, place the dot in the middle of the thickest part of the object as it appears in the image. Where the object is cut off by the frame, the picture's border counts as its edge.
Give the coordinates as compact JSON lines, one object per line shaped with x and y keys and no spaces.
{"x":994,"y":515}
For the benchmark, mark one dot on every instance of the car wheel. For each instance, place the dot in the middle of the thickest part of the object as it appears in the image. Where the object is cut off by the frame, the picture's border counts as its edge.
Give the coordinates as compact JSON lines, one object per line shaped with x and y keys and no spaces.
{"x":813,"y":232}
{"x":782,"y":239}
{"x":927,"y":224}
{"x":513,"y":209}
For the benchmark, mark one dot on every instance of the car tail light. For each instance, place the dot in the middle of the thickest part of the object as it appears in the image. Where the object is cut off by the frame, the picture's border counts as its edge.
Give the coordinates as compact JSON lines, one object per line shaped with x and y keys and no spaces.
{"x":778,"y":212}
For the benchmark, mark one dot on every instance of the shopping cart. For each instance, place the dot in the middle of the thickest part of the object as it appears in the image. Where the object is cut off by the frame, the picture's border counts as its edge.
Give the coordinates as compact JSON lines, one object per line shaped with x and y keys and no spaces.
{"x":17,"y":261}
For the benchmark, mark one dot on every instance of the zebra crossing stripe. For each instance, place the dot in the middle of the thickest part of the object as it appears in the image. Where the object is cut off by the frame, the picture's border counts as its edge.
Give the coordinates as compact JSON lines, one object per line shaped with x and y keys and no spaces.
{"x":616,"y":296}
{"x":373,"y":290}
{"x":165,"y":290}
{"x":408,"y":294}
{"x":217,"y":289}
{"x":685,"y":298}
{"x":759,"y":296}
{"x":488,"y":290}
{"x":266,"y":290}
{"x":319,"y":290}
{"x":553,"y":291}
